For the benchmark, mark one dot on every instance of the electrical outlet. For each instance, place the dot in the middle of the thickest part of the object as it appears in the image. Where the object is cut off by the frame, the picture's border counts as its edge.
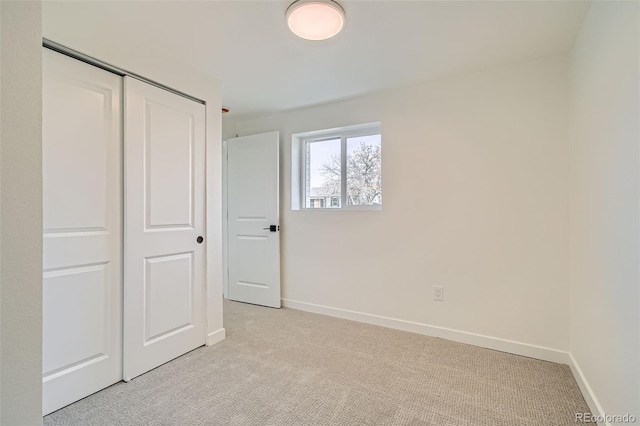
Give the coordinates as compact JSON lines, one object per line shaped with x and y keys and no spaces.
{"x":438,"y":293}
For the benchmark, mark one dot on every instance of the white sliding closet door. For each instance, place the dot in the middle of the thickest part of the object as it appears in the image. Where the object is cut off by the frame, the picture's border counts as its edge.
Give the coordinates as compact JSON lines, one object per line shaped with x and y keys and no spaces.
{"x":164,"y":302}
{"x":82,"y":208}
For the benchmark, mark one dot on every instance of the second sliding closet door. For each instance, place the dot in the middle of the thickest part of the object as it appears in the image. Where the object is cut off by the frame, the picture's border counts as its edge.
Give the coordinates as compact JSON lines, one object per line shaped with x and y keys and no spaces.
{"x":164,"y":226}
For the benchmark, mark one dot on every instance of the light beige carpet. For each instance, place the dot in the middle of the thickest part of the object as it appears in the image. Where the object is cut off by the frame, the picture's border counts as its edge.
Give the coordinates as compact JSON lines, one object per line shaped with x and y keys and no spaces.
{"x":286,"y":367}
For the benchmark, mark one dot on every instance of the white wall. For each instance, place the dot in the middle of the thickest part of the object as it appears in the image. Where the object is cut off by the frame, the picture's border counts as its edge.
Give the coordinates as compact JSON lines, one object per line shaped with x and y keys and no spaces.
{"x":132,"y":55}
{"x":605,"y":299}
{"x":20,"y":213}
{"x":475,"y":175}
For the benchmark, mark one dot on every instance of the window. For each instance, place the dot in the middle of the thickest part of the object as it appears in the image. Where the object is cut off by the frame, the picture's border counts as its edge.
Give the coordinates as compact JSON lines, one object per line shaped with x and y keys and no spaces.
{"x":316,"y":203}
{"x":339,"y":168}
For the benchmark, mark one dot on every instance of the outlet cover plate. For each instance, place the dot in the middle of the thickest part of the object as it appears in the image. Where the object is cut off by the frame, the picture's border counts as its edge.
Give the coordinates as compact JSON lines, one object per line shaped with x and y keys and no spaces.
{"x":438,"y":293}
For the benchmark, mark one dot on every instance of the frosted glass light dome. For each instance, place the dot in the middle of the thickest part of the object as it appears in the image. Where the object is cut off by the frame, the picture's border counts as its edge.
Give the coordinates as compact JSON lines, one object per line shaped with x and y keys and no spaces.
{"x":315,"y":19}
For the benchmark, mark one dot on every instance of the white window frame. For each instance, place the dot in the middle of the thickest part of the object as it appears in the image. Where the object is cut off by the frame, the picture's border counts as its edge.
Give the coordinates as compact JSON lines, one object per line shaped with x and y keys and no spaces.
{"x":300,"y":146}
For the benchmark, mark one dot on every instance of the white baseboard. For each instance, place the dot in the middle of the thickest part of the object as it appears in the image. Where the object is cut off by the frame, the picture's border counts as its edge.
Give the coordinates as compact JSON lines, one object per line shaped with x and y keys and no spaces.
{"x":215,"y":337}
{"x":587,"y":392}
{"x":502,"y":345}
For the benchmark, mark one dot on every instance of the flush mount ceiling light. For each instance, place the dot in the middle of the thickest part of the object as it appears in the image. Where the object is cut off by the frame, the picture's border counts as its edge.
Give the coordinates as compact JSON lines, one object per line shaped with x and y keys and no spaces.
{"x":315,"y":19}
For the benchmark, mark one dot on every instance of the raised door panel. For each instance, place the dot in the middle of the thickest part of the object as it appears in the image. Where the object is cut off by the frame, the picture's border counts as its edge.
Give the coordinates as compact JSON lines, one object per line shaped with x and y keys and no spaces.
{"x":75,"y":172}
{"x":253,"y":206}
{"x":168,"y":301}
{"x":169,"y":162}
{"x":252,"y":268}
{"x":76,"y":333}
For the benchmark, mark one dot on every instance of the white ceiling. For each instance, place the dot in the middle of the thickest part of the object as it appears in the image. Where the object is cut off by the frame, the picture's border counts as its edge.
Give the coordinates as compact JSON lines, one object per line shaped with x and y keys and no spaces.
{"x":385,"y":44}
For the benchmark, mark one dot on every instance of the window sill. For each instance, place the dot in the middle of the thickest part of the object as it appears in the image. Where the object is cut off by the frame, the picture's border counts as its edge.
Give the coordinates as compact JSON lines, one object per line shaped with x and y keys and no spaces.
{"x":342,"y":209}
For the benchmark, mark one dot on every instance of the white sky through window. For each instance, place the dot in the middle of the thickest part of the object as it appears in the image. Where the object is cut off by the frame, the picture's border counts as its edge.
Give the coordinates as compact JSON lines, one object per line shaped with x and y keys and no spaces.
{"x":320,"y":154}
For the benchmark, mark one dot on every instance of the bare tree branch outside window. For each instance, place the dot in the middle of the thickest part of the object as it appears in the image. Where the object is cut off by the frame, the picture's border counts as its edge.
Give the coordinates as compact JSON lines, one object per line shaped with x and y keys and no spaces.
{"x":364,"y":175}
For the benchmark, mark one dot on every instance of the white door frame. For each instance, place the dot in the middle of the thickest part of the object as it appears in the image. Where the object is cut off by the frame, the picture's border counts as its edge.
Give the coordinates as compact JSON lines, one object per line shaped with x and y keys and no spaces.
{"x":225,"y":222}
{"x":207,"y":90}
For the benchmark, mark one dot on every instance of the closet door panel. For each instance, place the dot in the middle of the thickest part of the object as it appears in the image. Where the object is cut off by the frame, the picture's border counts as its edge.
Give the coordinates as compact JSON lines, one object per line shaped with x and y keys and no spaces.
{"x":82,"y":220}
{"x":170,"y":165}
{"x":164,"y":258}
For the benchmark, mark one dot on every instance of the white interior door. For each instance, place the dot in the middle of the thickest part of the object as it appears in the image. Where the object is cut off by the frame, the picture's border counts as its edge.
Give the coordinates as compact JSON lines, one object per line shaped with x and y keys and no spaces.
{"x":164,"y":301}
{"x":82,"y":190}
{"x":253,"y":220}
